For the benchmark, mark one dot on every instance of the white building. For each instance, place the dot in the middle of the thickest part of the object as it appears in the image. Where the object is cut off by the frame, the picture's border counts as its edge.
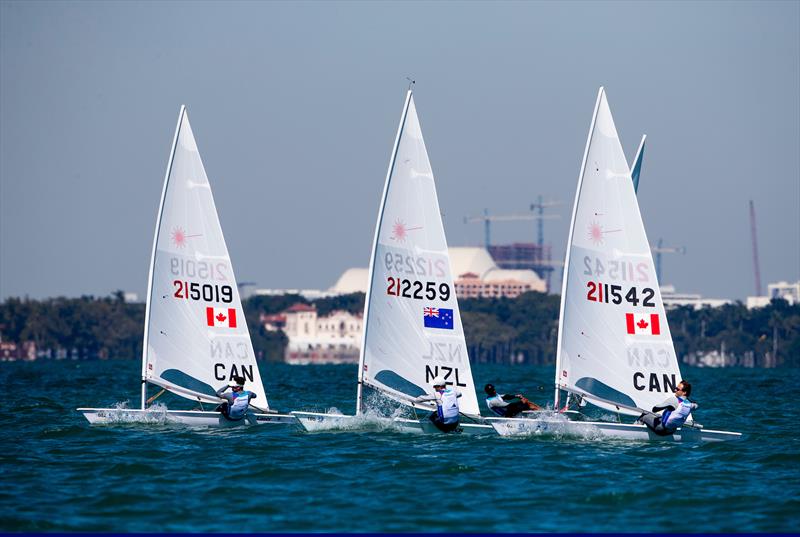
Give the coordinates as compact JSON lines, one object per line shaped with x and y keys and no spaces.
{"x":308,"y":294}
{"x":673,"y":299}
{"x":790,"y":292}
{"x":333,"y":339}
{"x":475,"y":274}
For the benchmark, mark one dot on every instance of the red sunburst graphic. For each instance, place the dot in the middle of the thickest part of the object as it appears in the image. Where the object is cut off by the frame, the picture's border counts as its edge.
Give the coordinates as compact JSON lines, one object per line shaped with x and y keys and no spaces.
{"x":399,"y":231}
{"x":179,"y":237}
{"x":596,"y":233}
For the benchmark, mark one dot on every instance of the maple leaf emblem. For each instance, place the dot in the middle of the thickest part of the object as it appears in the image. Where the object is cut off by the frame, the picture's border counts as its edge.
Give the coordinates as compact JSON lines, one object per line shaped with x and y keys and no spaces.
{"x":221,"y":317}
{"x":642,"y":324}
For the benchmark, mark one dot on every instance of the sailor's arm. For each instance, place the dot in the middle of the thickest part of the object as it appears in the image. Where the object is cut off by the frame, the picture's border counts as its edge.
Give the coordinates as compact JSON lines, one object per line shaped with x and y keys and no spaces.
{"x":671,"y":403}
{"x":423,"y":398}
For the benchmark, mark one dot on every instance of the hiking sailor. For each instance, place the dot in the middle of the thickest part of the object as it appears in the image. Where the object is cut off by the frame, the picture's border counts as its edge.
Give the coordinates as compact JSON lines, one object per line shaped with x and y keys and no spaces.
{"x":445,"y":418}
{"x":505,"y":405}
{"x":674,"y":411}
{"x":237,"y":402}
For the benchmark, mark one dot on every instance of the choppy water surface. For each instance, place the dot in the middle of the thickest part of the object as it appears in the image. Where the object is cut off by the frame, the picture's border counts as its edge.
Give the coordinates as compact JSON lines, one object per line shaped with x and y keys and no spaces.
{"x":61,"y":474}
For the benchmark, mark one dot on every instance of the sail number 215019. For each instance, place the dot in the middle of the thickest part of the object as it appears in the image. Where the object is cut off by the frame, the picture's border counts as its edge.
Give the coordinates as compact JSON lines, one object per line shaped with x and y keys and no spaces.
{"x":206,"y":292}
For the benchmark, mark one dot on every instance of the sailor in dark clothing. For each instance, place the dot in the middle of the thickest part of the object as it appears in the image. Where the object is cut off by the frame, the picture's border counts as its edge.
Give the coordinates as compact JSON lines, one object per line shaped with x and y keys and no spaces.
{"x":507,"y":405}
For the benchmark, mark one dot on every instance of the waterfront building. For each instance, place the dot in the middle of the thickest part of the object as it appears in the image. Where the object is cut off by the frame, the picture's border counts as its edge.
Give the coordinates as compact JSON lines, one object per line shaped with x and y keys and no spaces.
{"x":11,"y":352}
{"x":525,"y":255}
{"x":330,"y":339}
{"x":790,"y":292}
{"x":673,"y":299}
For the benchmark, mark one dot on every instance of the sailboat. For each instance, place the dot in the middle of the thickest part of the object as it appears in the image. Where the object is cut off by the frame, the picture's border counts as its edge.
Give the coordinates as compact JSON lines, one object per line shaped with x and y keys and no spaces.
{"x":412,"y":325}
{"x":615,"y":349}
{"x":195,"y":333}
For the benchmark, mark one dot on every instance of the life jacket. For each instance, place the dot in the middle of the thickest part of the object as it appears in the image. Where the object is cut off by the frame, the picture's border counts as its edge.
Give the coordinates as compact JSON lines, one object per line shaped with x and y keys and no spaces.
{"x":672,"y":419}
{"x":241,"y":402}
{"x":447,"y":406}
{"x":500,"y":409}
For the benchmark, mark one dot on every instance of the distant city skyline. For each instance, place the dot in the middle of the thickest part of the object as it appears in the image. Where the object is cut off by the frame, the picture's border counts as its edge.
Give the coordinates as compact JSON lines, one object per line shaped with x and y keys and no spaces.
{"x":295,"y":107}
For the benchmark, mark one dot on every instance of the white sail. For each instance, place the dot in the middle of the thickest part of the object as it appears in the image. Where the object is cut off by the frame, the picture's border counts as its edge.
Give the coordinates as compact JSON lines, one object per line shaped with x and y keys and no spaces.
{"x":196,"y":337}
{"x":413,"y":329}
{"x":614,"y":343}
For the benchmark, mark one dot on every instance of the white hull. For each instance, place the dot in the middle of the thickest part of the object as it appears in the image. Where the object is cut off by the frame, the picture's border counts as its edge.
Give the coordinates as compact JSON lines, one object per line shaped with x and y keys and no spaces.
{"x":198,"y":418}
{"x":317,"y":421}
{"x":601,"y":429}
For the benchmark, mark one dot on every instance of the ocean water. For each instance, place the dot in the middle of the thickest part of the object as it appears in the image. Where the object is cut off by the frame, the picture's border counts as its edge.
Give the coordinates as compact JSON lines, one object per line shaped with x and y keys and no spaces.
{"x":61,"y":474}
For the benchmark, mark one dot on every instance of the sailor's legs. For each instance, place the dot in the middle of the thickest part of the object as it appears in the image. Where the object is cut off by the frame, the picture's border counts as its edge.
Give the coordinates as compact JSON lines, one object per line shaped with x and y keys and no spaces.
{"x":653,"y":422}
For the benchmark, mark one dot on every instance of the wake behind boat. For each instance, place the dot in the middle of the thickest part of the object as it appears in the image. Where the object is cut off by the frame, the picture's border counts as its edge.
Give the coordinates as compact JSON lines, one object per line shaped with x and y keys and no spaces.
{"x":196,"y":338}
{"x":412,"y":324}
{"x":615,"y":349}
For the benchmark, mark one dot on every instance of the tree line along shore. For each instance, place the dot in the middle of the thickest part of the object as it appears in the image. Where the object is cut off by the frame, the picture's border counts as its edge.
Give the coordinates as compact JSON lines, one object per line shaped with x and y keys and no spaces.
{"x":498,"y":330}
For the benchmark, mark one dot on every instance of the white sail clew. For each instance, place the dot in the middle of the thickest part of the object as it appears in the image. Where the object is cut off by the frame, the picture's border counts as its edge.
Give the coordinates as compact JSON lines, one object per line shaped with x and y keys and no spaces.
{"x":413,"y":329}
{"x":614,"y":344}
{"x":196,"y":337}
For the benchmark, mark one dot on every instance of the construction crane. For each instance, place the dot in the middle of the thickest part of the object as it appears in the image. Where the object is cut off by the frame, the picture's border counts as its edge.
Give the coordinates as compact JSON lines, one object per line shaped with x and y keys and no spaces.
{"x":659,"y":249}
{"x":755,"y":248}
{"x":488,"y":219}
{"x":541,"y":206}
{"x":520,"y":255}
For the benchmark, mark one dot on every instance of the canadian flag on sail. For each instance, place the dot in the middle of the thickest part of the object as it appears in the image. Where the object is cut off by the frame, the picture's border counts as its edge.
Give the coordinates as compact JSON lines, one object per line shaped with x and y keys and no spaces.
{"x":643,"y":324}
{"x":225,"y":317}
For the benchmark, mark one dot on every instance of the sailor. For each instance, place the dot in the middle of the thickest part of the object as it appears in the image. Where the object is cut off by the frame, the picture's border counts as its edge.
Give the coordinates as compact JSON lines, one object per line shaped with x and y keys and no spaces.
{"x":446,"y":415}
{"x":673,"y":412}
{"x":505,"y":405}
{"x":237,"y":402}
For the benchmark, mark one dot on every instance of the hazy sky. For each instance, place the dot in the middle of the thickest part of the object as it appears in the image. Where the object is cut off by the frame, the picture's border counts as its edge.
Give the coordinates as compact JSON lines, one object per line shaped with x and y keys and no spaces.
{"x":295,"y":107}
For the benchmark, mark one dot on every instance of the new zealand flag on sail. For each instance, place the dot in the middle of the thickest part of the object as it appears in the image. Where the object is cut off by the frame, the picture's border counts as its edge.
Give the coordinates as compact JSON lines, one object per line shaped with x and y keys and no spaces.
{"x":438,"y":318}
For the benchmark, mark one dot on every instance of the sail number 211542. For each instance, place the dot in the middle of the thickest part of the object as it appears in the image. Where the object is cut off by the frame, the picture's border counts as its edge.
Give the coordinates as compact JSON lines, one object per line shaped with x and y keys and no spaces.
{"x":603,"y":292}
{"x":624,"y":271}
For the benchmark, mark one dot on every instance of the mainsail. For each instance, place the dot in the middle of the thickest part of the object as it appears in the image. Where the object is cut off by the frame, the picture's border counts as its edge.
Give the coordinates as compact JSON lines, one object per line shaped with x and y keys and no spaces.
{"x":614,"y":343}
{"x":196,"y":337}
{"x":412,"y":329}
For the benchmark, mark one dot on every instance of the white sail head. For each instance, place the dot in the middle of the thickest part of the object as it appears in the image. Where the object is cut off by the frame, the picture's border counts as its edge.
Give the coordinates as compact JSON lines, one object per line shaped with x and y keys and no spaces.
{"x":413,"y":329}
{"x":196,"y":337}
{"x":614,"y":339}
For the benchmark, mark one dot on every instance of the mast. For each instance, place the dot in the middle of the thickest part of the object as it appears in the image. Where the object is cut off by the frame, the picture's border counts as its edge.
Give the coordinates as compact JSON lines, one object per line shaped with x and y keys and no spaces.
{"x":153,"y":256}
{"x":375,"y":250}
{"x":636,"y":168}
{"x":565,"y":276}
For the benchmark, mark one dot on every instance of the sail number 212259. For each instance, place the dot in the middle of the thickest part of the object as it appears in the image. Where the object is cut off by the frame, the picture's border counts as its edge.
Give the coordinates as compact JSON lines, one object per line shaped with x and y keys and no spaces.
{"x":417,"y":289}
